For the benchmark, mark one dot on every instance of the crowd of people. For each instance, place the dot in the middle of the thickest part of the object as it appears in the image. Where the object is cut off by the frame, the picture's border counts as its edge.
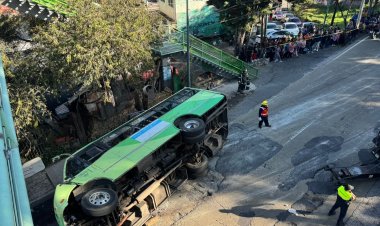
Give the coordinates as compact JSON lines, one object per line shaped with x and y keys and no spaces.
{"x":310,"y":39}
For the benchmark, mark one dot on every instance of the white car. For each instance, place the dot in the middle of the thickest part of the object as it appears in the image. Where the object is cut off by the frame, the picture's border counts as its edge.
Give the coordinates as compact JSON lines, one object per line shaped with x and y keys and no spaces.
{"x":287,"y":16}
{"x":278,"y":15}
{"x":279,"y":34}
{"x":292,"y":28}
{"x":271,"y":27}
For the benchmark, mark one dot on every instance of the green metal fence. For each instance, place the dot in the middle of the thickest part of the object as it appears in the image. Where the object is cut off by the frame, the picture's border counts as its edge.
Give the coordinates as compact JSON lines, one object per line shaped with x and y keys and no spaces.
{"x":207,"y":52}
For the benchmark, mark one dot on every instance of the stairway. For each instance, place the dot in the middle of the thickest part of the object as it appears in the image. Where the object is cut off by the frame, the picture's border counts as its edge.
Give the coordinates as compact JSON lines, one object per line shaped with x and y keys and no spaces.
{"x":42,"y":9}
{"x":224,"y":62}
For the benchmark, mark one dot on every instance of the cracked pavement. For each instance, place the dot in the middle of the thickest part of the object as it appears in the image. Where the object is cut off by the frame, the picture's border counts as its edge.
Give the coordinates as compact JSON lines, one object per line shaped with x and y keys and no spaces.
{"x":324,"y":108}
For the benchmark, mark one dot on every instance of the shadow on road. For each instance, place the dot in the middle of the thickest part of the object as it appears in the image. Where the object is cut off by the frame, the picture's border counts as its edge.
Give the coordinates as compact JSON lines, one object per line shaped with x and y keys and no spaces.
{"x":250,"y":211}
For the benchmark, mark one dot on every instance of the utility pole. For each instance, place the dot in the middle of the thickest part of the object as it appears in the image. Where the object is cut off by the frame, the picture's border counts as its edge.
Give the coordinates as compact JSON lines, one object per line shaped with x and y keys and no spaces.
{"x":188,"y":44}
{"x":360,"y":14}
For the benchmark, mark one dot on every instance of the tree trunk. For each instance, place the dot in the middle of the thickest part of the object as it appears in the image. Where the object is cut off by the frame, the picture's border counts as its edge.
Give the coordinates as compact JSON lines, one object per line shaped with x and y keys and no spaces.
{"x":344,"y":18}
{"x":265,"y":19}
{"x":240,"y":40}
{"x":138,"y":104}
{"x":335,"y":9}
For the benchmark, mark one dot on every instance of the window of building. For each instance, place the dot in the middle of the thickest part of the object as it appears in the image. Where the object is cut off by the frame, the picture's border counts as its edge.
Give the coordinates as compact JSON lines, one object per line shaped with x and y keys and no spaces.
{"x":171,"y":3}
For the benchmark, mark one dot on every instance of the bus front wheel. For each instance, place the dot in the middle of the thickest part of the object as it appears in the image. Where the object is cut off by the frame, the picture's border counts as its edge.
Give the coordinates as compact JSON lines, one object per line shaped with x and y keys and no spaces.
{"x":99,"y":202}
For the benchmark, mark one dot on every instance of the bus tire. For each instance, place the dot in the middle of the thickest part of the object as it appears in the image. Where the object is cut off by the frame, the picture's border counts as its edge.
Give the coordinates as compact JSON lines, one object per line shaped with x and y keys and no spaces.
{"x":198,"y":169}
{"x":99,"y":202}
{"x":194,"y":140}
{"x":192,"y":127}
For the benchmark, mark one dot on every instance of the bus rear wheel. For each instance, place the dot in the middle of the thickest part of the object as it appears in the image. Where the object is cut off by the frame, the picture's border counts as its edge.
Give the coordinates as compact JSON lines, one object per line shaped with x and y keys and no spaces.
{"x":198,"y":167}
{"x":192,"y":130}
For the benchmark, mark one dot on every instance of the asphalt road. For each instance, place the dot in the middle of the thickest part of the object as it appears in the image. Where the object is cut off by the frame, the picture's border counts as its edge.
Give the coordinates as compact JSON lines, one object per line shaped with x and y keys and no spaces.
{"x":324,"y":108}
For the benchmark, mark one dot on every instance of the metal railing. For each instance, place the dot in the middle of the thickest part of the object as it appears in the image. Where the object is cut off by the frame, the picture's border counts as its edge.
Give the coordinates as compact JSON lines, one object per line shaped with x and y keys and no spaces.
{"x":209,"y":53}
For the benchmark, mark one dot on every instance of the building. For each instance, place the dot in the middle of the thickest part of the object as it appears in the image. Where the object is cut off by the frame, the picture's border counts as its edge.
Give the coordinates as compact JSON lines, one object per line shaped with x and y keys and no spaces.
{"x":285,"y":4}
{"x":203,"y":19}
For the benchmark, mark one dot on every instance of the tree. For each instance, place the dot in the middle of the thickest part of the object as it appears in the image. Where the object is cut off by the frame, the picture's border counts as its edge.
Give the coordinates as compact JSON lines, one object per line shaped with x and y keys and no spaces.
{"x":100,"y":41}
{"x":26,"y":91}
{"x":239,"y":15}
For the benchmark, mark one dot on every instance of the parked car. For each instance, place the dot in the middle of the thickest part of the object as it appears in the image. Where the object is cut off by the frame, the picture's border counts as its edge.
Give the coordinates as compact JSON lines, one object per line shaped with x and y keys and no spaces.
{"x":277,"y":23}
{"x":279,"y":34}
{"x":296,"y":20}
{"x":279,"y":27}
{"x":278,"y":15}
{"x":287,"y":16}
{"x":310,"y":26}
{"x":292,"y":28}
{"x":254,"y":39}
{"x":271,"y":27}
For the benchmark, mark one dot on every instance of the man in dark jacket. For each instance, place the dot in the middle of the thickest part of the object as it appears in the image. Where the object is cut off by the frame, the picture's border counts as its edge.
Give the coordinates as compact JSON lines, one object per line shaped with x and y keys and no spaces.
{"x":263,"y":114}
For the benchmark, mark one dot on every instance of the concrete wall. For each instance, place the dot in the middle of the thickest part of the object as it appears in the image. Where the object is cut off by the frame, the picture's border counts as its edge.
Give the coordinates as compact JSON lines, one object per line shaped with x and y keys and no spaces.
{"x":286,"y":4}
{"x":41,"y":181}
{"x":193,"y":5}
{"x":168,"y":10}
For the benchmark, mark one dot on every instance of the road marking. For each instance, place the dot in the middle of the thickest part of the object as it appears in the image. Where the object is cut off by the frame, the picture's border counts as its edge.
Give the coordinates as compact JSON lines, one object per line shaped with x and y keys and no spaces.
{"x":345,"y":51}
{"x":299,"y":132}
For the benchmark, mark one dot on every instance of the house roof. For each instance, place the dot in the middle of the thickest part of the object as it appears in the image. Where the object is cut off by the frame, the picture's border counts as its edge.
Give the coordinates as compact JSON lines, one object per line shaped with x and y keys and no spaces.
{"x":43,"y":9}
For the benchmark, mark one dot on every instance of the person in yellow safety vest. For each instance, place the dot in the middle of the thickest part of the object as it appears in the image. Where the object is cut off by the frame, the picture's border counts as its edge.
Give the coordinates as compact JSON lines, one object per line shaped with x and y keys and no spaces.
{"x":344,"y":197}
{"x":263,"y":114}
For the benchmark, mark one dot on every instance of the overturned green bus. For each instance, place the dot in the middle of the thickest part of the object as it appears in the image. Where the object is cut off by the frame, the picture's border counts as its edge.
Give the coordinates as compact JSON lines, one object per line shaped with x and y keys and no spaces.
{"x":120,"y":178}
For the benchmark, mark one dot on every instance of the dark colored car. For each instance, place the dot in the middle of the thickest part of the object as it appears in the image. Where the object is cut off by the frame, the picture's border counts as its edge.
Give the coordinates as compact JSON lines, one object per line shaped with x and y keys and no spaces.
{"x":296,"y":20}
{"x":311,"y":26}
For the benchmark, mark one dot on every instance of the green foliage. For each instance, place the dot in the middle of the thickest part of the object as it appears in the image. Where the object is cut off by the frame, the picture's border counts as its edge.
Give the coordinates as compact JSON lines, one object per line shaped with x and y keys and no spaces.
{"x":300,"y":2}
{"x":8,"y":26}
{"x":11,"y":23}
{"x":316,"y":13}
{"x":239,"y":13}
{"x":26,"y":92}
{"x":101,"y":41}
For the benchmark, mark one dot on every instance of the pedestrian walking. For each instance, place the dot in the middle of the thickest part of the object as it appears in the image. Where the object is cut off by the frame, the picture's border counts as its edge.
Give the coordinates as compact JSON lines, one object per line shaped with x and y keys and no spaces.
{"x":263,"y":114}
{"x":343,"y":200}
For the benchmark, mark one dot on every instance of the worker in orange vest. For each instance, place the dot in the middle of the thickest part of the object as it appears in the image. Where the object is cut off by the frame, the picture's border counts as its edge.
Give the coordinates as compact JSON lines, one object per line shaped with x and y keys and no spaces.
{"x":343,"y":200}
{"x":263,"y":114}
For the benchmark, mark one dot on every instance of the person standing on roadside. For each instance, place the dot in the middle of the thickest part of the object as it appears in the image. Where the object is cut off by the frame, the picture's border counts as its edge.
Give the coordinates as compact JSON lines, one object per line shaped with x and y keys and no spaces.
{"x":277,"y":53}
{"x":263,"y":114}
{"x":343,"y":200}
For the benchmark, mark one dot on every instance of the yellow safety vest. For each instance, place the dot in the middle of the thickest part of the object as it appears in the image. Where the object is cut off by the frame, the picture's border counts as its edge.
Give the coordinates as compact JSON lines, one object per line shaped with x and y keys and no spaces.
{"x":345,"y":195}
